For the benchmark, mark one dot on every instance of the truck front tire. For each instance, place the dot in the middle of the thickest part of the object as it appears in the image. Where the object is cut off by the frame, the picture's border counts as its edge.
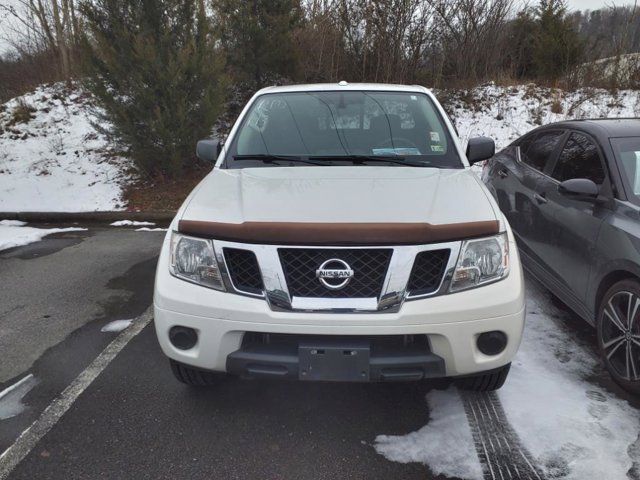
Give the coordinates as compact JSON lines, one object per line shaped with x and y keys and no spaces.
{"x":194,"y":376}
{"x":485,"y":381}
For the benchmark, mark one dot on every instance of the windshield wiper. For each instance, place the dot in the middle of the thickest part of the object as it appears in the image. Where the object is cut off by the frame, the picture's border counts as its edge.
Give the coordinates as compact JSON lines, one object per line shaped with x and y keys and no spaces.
{"x":268,"y":158}
{"x":360,"y":159}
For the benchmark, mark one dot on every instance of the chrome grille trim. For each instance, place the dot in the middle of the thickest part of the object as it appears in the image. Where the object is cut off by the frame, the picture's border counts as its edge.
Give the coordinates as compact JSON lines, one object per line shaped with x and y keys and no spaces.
{"x":394,"y":291}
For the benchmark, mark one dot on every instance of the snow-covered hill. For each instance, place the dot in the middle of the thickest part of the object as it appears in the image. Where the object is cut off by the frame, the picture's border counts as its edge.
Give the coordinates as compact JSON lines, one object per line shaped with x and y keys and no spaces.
{"x":506,"y":113}
{"x":53,"y":159}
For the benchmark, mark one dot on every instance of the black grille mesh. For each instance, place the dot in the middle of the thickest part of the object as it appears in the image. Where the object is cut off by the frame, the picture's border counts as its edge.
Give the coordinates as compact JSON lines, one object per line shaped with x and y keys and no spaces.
{"x":369,"y":266}
{"x":244,"y":270}
{"x":428,"y":269}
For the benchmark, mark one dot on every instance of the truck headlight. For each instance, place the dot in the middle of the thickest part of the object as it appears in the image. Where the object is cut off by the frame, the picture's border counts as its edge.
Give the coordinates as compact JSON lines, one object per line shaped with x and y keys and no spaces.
{"x":481,"y":261}
{"x":194,"y":260}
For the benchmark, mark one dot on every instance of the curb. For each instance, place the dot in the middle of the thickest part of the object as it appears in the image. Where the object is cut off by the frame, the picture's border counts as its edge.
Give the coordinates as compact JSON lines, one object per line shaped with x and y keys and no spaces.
{"x":160,"y":218}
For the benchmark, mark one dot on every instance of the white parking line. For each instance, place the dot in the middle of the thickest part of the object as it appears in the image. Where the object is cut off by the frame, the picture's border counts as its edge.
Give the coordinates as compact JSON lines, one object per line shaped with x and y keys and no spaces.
{"x":52,"y":414}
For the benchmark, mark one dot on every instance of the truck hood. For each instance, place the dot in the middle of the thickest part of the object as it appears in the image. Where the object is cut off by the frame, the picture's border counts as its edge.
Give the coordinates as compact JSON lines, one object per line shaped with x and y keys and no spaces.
{"x":359,"y":194}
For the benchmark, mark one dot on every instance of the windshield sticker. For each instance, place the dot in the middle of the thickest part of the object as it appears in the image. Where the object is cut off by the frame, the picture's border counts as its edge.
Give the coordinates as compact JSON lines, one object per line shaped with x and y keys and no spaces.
{"x":435,"y":137}
{"x":401,"y":151}
{"x":437,"y":148}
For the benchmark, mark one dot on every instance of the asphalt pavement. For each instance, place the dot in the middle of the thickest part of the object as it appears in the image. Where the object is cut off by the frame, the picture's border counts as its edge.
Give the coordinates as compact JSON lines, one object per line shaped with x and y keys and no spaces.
{"x":135,"y":420}
{"x":105,"y":404}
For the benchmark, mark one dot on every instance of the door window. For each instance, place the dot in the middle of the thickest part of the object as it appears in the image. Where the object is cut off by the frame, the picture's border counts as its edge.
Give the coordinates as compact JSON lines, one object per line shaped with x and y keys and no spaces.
{"x":627,"y":152}
{"x":579,"y":159}
{"x":537,"y":152}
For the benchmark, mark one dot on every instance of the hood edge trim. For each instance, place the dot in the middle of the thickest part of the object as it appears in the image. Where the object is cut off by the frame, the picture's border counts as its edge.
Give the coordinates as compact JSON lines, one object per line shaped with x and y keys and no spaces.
{"x":362,"y":234}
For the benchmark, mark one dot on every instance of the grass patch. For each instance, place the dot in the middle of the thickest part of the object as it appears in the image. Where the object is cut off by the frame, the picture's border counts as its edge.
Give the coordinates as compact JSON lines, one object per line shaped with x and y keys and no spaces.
{"x":22,"y":113}
{"x":163,"y":195}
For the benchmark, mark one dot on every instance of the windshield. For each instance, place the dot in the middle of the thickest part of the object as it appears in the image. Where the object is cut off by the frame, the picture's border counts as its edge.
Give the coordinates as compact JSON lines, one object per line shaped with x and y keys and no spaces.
{"x":328,"y":127}
{"x":627,"y":151}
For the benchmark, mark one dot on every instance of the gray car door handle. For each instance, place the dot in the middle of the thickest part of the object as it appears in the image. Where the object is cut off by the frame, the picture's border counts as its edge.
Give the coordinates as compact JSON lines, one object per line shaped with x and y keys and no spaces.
{"x":539,"y":198}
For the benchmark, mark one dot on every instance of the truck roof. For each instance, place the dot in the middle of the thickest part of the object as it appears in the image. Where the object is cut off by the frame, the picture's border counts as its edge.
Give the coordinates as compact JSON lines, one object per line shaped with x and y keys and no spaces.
{"x":339,"y":86}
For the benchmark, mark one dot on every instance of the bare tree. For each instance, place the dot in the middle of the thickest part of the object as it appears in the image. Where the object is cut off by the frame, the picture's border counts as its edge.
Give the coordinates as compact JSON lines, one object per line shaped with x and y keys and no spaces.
{"x":468,"y":34}
{"x":45,"y":25}
{"x":320,"y":33}
{"x":384,"y":39}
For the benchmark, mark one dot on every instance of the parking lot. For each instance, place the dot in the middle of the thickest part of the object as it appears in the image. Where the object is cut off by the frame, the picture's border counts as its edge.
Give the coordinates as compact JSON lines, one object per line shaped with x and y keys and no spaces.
{"x":78,"y":402}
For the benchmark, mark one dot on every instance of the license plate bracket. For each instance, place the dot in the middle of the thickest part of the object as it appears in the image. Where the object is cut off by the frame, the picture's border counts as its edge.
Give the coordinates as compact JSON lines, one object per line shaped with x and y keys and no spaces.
{"x":334,"y":361}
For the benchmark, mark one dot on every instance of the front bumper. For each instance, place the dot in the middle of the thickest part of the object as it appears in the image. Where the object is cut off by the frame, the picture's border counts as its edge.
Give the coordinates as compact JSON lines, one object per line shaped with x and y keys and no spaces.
{"x":451,"y":322}
{"x":453,"y":342}
{"x":330,"y":358}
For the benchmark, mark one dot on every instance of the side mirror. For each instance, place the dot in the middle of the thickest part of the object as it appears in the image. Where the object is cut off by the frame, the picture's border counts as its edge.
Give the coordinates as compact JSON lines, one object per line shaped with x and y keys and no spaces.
{"x":579,"y":187}
{"x":209,"y":149}
{"x":479,"y":149}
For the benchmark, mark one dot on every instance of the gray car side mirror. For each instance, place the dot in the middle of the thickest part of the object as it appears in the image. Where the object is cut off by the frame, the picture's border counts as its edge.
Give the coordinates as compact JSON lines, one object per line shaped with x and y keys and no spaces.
{"x":208,"y":149}
{"x":579,"y":187}
{"x":479,"y":149}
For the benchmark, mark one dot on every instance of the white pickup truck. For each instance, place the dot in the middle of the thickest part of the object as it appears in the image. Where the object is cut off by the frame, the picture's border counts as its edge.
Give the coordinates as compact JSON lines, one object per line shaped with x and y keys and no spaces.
{"x":341,"y":236}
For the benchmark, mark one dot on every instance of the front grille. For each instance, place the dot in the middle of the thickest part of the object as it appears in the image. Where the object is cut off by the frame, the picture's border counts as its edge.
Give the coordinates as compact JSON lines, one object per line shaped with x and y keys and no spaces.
{"x":369,"y":267}
{"x":427,"y":272}
{"x":244,"y":270}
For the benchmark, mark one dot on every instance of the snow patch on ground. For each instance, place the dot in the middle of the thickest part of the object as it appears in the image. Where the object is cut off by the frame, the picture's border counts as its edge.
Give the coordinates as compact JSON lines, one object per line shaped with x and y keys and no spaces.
{"x":145,"y":229}
{"x":11,"y":397}
{"x":506,"y":113}
{"x":12,"y":223}
{"x":130,"y":223}
{"x":445,"y":444}
{"x":16,"y":236}
{"x":574,"y":428}
{"x":56,"y":160}
{"x":116,"y":326}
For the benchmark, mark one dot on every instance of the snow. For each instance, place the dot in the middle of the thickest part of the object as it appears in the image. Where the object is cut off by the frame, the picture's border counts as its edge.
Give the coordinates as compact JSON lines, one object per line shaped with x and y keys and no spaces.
{"x":575,"y":428}
{"x":15,"y":236}
{"x":130,"y":223}
{"x":57,"y":160}
{"x":11,"y":397}
{"x":12,"y":223}
{"x":144,"y":229}
{"x":116,"y":326}
{"x":445,"y":443}
{"x":506,"y":113}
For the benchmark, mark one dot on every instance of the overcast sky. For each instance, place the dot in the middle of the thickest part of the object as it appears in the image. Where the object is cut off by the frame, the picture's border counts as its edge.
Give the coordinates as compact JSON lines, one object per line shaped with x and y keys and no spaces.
{"x":594,"y":4}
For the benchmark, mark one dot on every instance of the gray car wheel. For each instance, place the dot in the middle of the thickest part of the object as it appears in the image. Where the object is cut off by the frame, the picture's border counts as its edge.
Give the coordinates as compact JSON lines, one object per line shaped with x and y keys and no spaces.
{"x":619,"y":333}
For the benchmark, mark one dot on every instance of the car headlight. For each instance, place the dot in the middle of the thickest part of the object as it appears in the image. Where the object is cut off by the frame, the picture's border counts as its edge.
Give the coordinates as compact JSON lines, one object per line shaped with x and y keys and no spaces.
{"x":481,"y":261}
{"x":193,"y":259}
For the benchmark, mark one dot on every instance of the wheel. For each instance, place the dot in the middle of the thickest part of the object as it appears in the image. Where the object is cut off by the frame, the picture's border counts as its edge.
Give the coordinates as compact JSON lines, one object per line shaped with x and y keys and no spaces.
{"x":619,"y":333}
{"x":194,"y":376}
{"x":485,"y":381}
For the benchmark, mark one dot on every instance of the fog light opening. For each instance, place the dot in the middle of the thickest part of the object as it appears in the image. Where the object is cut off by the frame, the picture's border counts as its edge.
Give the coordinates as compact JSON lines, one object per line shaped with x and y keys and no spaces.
{"x":492,"y":343}
{"x":183,"y":338}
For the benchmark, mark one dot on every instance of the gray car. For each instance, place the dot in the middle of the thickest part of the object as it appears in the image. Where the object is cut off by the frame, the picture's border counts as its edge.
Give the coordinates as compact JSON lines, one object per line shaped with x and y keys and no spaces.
{"x":571,"y":191}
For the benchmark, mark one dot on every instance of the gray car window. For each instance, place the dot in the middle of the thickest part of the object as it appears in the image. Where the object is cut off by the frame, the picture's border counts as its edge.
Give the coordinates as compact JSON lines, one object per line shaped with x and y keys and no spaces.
{"x":537,"y":153}
{"x":627,"y":152}
{"x":579,"y":159}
